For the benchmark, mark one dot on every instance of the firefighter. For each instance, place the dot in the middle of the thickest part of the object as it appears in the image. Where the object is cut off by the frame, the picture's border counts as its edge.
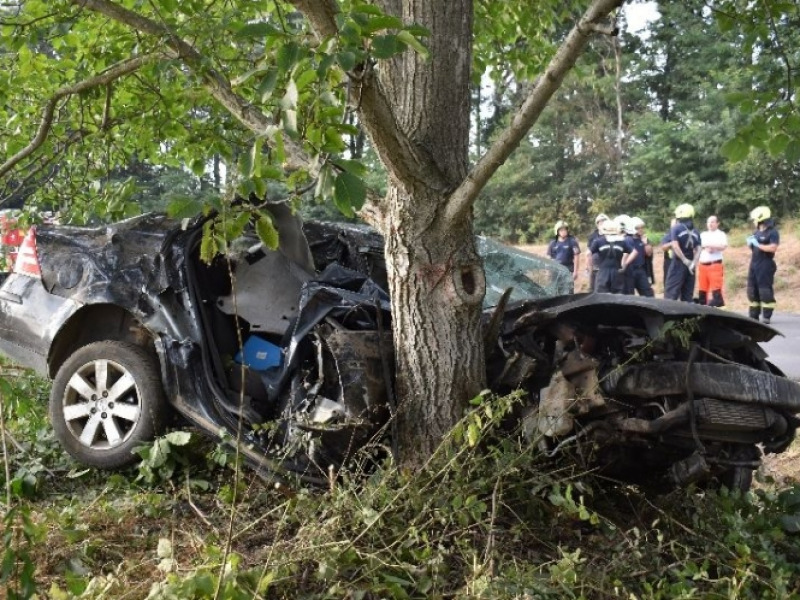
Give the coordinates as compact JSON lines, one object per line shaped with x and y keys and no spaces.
{"x":565,"y":249}
{"x":760,"y":279}
{"x":615,"y":252}
{"x":593,"y":265}
{"x":636,"y":275}
{"x":685,"y":244}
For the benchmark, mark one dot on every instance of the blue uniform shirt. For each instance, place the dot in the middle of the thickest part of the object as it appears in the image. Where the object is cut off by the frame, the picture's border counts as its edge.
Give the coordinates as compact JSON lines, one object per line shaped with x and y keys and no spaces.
{"x":638,"y":245}
{"x":769,"y":236}
{"x":610,"y":251}
{"x":687,"y":236}
{"x":564,"y":251}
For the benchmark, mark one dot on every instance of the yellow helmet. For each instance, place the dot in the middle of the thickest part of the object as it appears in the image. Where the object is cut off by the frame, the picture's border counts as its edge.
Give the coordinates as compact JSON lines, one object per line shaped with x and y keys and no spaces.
{"x":560,"y":225}
{"x":684,"y":211}
{"x":760,"y":213}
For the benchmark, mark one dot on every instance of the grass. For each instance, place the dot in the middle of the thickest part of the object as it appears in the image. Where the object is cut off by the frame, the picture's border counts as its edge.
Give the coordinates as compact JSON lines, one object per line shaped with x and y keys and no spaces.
{"x":486,"y":517}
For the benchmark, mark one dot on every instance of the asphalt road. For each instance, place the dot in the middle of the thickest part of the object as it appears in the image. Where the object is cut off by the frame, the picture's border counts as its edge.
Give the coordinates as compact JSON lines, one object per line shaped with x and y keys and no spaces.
{"x":785,"y":351}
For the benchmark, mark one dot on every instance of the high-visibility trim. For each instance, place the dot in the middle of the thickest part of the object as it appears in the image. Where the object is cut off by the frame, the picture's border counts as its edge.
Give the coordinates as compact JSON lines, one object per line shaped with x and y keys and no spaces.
{"x":27,"y":262}
{"x":769,"y":304}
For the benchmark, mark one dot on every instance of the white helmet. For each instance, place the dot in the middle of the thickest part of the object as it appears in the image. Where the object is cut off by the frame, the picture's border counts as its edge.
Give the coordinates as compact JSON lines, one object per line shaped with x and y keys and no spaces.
{"x":610,"y":227}
{"x":560,"y":225}
{"x":623,"y":220}
{"x":635,"y":222}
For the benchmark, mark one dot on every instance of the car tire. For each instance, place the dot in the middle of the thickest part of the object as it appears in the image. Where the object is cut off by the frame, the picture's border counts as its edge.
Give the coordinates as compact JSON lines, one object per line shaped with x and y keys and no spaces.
{"x":107,"y":398}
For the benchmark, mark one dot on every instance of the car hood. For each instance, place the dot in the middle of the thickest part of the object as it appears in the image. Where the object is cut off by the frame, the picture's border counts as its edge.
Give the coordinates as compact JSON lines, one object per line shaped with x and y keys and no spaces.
{"x":621,"y":310}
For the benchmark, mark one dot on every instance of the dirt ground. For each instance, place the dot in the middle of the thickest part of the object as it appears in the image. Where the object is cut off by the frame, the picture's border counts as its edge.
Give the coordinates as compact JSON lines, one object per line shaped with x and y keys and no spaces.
{"x":737,"y":260}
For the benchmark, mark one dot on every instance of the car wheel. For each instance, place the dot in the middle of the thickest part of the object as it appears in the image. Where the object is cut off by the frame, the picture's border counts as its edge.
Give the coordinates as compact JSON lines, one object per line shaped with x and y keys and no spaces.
{"x":107,"y":398}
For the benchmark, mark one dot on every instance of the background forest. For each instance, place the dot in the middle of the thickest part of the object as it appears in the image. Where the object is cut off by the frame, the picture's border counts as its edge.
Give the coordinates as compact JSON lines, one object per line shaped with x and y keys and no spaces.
{"x":650,"y":120}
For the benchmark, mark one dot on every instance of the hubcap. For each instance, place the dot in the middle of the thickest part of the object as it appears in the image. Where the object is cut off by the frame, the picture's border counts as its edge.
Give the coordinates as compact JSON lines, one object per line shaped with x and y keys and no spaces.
{"x":102,"y":404}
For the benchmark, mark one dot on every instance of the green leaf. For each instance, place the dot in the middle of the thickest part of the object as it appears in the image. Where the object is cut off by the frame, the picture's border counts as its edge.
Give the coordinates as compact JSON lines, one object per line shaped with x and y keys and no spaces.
{"x":256,"y":30}
{"x":386,"y":46}
{"x":346,"y":60}
{"x":266,"y":231}
{"x":246,"y":164}
{"x":409,"y":40}
{"x":287,"y":56}
{"x":368,"y":9}
{"x":183,"y":207}
{"x":777,"y":145}
{"x":255,"y":158}
{"x":178,"y":438}
{"x":289,"y":100}
{"x":791,"y":523}
{"x":289,"y":122}
{"x":735,"y":149}
{"x":378,"y":23}
{"x":349,"y":193}
{"x":351,"y":166}
{"x":792,"y":153}
{"x":267,"y":84}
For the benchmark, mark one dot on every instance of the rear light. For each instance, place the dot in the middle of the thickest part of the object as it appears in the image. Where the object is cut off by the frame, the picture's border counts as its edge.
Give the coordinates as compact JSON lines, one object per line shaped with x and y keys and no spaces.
{"x":27,"y":262}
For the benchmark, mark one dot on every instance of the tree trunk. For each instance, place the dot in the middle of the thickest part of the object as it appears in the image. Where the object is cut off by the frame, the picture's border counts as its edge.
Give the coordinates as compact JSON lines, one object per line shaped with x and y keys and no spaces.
{"x":437,"y":286}
{"x":435,"y":276}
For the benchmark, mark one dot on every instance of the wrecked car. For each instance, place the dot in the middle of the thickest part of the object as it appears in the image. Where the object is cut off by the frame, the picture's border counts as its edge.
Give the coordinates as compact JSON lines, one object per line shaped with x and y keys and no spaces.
{"x":293,"y":349}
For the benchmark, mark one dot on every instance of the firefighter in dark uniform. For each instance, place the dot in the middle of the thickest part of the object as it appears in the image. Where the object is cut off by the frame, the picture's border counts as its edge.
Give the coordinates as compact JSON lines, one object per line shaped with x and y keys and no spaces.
{"x":615,"y":253}
{"x":593,"y":265}
{"x":636,"y":276}
{"x":760,"y":279}
{"x":565,"y":249}
{"x":685,"y":254}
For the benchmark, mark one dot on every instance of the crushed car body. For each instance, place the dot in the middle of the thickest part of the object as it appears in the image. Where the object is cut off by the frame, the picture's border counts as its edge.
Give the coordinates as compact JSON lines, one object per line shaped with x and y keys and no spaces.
{"x":293,"y":348}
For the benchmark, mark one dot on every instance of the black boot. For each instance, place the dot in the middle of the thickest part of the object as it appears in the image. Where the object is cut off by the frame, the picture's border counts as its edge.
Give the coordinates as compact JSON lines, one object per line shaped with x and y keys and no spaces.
{"x":702,"y":298}
{"x":716,"y":298}
{"x":755,"y":312}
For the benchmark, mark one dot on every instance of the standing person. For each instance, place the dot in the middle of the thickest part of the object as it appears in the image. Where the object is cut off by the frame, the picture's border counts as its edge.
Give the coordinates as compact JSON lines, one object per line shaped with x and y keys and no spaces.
{"x":760,"y":278}
{"x":710,"y":280}
{"x":685,"y":254}
{"x":636,"y":276}
{"x":593,"y":265}
{"x":666,"y":248}
{"x":615,"y":252}
{"x":565,"y":248}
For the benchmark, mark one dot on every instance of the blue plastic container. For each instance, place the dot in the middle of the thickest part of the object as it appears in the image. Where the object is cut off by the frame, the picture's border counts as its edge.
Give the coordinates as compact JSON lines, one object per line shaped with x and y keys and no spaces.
{"x":259,"y":354}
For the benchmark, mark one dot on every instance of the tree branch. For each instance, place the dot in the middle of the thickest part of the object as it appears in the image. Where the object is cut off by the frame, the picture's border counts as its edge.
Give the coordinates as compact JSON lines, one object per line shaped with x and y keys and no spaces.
{"x":115,"y":72}
{"x":461,"y":201}
{"x":408,"y":162}
{"x":214,"y":82}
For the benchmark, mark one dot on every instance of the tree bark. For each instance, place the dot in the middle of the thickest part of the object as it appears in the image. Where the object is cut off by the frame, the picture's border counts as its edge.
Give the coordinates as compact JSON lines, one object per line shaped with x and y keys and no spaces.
{"x":435,"y":275}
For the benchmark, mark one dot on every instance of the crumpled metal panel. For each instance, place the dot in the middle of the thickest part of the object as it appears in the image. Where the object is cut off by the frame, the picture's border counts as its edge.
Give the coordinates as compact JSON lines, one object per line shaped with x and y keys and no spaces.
{"x":714,"y":380}
{"x":116,"y":264}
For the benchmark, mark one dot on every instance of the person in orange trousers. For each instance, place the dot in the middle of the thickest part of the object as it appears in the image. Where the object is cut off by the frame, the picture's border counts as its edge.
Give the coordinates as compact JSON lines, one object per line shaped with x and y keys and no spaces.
{"x":710,"y":272}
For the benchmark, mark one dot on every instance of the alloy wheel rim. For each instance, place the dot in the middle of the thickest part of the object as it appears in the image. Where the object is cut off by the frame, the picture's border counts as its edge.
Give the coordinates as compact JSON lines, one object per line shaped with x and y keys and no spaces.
{"x":101,"y":404}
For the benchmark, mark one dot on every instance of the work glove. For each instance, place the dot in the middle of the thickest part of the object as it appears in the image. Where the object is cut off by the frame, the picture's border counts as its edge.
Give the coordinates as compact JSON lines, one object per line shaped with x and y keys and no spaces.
{"x":751,"y":241}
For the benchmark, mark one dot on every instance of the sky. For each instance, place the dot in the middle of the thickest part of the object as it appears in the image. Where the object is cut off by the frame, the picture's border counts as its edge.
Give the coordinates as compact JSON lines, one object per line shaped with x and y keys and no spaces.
{"x":639,"y":14}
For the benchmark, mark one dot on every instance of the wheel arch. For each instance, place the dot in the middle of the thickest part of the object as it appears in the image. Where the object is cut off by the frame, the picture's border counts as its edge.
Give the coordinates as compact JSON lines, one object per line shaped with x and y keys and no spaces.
{"x":95,"y":323}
